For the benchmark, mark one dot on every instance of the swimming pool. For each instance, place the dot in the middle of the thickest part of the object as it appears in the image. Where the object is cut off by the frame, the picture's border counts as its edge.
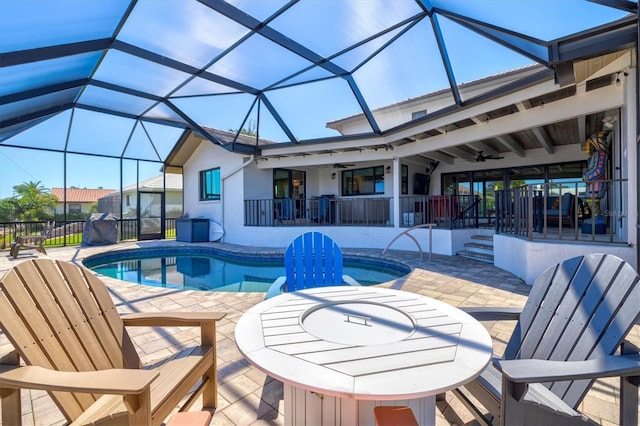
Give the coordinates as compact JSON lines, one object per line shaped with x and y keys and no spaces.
{"x":218,"y":270}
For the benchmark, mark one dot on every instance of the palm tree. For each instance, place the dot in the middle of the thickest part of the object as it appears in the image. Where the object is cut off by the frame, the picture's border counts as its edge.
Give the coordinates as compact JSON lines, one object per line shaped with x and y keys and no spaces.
{"x":29,"y":189}
{"x":34,"y":200}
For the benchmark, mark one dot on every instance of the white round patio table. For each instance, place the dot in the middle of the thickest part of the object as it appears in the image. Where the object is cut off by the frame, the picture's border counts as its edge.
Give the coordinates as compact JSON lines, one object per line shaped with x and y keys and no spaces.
{"x":340,"y":351}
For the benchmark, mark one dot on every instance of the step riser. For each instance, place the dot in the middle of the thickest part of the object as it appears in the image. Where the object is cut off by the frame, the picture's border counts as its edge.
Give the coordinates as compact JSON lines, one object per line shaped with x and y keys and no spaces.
{"x":480,"y":248}
{"x":476,"y":256}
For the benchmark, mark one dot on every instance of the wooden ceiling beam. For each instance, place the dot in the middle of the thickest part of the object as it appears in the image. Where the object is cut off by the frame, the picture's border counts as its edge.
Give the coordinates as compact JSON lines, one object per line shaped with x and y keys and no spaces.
{"x":443,"y":158}
{"x":543,"y":138}
{"x":511,"y":144}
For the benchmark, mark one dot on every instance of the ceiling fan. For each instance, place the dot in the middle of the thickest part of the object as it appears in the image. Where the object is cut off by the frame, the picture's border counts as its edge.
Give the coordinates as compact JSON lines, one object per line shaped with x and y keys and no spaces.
{"x":343,"y":165}
{"x":481,"y":157}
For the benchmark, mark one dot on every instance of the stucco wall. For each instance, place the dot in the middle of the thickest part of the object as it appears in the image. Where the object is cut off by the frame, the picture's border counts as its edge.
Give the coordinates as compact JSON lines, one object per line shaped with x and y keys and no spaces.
{"x":208,"y":156}
{"x":346,"y":237}
{"x":528,"y":259}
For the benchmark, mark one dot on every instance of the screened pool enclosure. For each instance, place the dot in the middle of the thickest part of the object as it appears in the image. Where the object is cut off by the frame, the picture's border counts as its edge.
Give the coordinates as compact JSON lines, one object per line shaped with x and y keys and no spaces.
{"x":96,"y":94}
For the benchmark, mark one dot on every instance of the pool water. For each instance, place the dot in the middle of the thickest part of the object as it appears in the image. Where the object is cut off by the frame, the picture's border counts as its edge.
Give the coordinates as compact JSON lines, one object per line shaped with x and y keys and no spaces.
{"x":218,"y":273}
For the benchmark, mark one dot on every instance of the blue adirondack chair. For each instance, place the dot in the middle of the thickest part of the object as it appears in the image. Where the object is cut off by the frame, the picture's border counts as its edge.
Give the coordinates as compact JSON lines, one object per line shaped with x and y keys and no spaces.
{"x":311,"y":260}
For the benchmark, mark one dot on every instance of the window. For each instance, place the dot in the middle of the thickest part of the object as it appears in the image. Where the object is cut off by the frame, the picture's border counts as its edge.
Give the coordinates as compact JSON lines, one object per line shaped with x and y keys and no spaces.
{"x":210,"y":184}
{"x":363,"y":181}
{"x":75,"y":208}
{"x":288,"y":183}
{"x":404,"y":179}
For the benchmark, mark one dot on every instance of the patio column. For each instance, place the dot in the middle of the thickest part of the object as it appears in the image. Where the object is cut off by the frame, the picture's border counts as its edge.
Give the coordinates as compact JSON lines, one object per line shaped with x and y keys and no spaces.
{"x":637,"y":130}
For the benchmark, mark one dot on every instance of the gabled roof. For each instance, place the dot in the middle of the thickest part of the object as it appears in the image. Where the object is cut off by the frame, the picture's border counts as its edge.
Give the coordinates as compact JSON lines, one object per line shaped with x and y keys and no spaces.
{"x":157,"y":183}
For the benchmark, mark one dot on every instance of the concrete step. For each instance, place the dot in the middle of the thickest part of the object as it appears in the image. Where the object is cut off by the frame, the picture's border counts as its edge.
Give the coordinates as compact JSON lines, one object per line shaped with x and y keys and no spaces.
{"x":482,"y":237}
{"x":487,"y":247}
{"x":483,"y":257}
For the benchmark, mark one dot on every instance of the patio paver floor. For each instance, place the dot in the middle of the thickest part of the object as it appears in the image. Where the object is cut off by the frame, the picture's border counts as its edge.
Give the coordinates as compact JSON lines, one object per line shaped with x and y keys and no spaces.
{"x":249,"y":397}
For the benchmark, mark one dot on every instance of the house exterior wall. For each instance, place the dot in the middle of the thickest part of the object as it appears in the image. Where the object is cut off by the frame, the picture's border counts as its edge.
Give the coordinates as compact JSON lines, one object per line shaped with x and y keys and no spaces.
{"x":526,"y":259}
{"x":84,"y":207}
{"x":208,"y":156}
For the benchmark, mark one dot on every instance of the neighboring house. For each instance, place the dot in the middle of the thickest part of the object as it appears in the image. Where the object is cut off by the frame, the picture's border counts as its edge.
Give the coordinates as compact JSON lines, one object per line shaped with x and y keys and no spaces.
{"x":78,"y":200}
{"x":532,"y":134}
{"x":171,"y":184}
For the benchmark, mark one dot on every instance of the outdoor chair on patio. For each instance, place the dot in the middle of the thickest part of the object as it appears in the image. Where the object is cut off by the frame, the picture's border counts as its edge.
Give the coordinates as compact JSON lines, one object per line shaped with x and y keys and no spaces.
{"x":285,"y":210}
{"x":63,"y":324}
{"x":312,"y":260}
{"x":570,"y":332}
{"x":32,"y":241}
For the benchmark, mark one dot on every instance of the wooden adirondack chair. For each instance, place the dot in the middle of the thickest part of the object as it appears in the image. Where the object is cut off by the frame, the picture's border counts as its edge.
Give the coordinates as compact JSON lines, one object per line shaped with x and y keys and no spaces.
{"x":313,"y":259}
{"x":32,"y":241}
{"x":63,"y":323}
{"x":568,"y":334}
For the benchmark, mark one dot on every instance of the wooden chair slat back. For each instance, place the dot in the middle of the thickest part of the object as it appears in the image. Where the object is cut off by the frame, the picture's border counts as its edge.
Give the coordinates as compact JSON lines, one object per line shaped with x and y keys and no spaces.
{"x":313,"y":260}
{"x":59,"y":316}
{"x":105,"y":319}
{"x":28,"y":329}
{"x":578,"y":310}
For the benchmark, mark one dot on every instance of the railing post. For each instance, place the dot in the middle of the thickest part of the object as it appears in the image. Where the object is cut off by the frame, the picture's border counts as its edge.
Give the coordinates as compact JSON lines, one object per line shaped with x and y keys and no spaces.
{"x":530,"y":201}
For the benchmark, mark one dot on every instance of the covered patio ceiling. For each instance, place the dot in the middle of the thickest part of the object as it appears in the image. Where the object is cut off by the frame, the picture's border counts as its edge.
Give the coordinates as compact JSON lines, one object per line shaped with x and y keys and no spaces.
{"x":127,"y":78}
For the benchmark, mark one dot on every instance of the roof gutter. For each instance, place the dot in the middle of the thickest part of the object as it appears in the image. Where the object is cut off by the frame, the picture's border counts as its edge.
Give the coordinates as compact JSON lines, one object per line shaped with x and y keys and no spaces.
{"x":228,"y":175}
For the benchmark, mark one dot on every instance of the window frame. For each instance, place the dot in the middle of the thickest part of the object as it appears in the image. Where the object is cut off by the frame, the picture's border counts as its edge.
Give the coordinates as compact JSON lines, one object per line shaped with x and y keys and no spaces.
{"x":203,"y":181}
{"x":377,"y":175}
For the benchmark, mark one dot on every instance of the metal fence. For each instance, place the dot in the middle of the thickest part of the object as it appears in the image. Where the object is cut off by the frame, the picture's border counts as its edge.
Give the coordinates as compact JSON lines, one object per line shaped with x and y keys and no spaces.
{"x":446,"y":211}
{"x":562,"y":211}
{"x":318,"y":211}
{"x":69,"y":233}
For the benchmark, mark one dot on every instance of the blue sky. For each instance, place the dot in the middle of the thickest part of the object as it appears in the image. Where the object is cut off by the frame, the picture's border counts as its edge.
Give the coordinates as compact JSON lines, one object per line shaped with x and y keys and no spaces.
{"x":410,"y":67}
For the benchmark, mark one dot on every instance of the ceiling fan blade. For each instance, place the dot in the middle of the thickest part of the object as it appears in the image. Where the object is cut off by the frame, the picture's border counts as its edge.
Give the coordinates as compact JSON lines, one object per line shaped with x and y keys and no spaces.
{"x":481,"y":157}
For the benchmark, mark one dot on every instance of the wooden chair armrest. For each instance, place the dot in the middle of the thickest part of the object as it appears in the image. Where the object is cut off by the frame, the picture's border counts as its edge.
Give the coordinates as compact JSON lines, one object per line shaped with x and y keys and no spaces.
{"x":113,"y":381}
{"x":171,"y":319}
{"x":537,"y":371}
{"x":29,"y":240}
{"x":491,"y":313}
{"x":206,"y":320}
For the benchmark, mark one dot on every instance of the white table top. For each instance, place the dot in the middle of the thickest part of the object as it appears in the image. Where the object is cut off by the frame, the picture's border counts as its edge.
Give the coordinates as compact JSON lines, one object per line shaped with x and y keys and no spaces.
{"x":364,"y":342}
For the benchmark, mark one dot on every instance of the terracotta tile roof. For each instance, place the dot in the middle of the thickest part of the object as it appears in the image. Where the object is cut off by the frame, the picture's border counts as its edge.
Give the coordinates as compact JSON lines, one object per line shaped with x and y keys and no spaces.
{"x":76,"y":195}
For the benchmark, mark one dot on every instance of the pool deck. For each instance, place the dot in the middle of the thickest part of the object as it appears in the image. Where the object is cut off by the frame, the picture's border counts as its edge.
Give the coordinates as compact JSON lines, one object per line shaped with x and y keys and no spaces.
{"x":249,"y":397}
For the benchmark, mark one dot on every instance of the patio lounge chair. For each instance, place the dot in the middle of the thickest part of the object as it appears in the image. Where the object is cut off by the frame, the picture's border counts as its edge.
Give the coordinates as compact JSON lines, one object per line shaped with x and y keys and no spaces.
{"x":568,"y":334}
{"x":32,"y":241}
{"x":311,"y":260}
{"x":62,"y":322}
